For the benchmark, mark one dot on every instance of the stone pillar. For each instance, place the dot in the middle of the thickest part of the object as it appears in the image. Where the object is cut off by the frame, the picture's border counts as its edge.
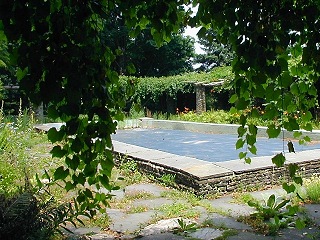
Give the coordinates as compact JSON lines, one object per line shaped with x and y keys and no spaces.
{"x":171,"y":104}
{"x":200,"y":90}
{"x":38,"y":110}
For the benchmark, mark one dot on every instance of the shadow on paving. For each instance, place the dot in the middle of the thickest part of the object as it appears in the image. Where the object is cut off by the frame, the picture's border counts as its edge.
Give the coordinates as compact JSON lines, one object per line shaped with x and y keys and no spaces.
{"x":223,"y":226}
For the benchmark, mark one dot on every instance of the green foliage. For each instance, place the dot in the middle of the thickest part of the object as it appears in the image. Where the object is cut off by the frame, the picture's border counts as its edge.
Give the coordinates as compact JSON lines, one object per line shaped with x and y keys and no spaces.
{"x":61,"y":61}
{"x":65,"y":66}
{"x":129,"y":171}
{"x":272,"y":213}
{"x":216,"y":54}
{"x":16,"y":138}
{"x":140,"y":55}
{"x":275,"y":57}
{"x":185,"y":227}
{"x":34,"y":214}
{"x":168,"y":179}
{"x":312,"y":189}
{"x":178,"y":209}
{"x":150,"y":91}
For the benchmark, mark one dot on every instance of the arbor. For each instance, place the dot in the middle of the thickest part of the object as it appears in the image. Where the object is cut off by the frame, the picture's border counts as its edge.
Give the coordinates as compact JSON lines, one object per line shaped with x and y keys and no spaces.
{"x":62,"y":61}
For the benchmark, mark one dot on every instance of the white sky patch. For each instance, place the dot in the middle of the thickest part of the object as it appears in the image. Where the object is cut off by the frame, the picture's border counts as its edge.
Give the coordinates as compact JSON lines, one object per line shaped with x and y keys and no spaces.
{"x":193,"y":33}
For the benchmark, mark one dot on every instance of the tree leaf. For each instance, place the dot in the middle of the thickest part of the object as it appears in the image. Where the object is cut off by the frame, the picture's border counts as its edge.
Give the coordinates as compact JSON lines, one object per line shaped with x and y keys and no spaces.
{"x":240,"y":143}
{"x":293,"y":168}
{"x":233,"y":98}
{"x":76,"y":145}
{"x":289,"y":188}
{"x":242,"y":155}
{"x":69,"y":186}
{"x":241,"y":131}
{"x":61,"y":173}
{"x":273,"y":131}
{"x":251,"y":139}
{"x":54,"y":135}
{"x":58,"y":152}
{"x":21,"y":73}
{"x":279,"y":160}
{"x":253,"y":149}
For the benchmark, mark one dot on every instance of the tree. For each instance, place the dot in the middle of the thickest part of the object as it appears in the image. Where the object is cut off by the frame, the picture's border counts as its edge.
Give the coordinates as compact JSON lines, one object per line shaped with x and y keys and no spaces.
{"x":62,"y":61}
{"x":171,"y":58}
{"x":277,"y":54}
{"x":216,"y":54}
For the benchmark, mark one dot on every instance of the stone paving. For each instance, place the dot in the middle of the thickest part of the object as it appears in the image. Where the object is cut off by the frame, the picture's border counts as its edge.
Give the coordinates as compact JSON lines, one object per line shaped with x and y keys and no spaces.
{"x":142,"y":226}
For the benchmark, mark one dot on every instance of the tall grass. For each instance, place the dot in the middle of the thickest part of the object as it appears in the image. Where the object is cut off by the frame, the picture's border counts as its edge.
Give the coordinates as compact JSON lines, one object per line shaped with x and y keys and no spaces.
{"x":28,"y":208}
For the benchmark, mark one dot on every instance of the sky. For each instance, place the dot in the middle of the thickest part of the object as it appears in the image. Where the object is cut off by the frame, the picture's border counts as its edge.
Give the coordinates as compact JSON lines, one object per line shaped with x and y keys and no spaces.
{"x":193,"y":33}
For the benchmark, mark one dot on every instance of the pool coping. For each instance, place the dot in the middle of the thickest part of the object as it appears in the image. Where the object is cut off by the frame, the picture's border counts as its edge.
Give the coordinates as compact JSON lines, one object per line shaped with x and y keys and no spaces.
{"x":203,"y":177}
{"x":209,"y":177}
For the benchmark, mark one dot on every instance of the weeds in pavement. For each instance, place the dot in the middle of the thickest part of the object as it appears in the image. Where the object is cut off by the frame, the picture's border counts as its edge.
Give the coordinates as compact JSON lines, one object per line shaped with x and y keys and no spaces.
{"x":178,"y":209}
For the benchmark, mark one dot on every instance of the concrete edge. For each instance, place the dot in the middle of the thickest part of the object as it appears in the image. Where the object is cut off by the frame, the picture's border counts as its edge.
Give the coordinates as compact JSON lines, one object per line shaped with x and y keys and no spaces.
{"x":216,"y":128}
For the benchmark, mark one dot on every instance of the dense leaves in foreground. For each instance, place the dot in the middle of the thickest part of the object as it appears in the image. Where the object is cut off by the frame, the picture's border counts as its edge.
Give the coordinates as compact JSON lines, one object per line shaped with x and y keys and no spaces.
{"x":62,"y":62}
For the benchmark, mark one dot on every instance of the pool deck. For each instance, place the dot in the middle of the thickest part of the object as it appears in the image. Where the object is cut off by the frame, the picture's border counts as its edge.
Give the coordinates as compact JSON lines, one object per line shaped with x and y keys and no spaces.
{"x":205,"y":177}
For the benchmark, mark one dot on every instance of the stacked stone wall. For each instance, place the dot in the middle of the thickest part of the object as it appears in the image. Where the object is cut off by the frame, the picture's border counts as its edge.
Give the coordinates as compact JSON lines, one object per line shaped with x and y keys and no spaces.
{"x":249,"y":179}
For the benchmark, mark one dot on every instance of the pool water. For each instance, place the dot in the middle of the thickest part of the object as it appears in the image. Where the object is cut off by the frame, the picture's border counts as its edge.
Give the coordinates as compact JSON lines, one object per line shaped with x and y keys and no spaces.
{"x":208,"y":147}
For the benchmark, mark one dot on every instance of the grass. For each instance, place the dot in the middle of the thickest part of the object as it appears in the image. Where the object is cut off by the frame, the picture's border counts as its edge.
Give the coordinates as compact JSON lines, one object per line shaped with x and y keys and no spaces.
{"x":24,"y":152}
{"x":178,"y":209}
{"x":312,"y":188}
{"x":192,"y":199}
{"x":242,"y":198}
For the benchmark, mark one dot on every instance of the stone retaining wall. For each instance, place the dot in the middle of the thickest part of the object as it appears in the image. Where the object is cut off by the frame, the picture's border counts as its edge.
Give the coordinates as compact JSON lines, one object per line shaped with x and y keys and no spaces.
{"x":223,"y":183}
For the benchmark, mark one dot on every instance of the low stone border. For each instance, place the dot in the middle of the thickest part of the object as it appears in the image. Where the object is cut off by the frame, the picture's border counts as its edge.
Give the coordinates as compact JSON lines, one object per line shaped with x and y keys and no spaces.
{"x":204,"y":177}
{"x":215,"y":128}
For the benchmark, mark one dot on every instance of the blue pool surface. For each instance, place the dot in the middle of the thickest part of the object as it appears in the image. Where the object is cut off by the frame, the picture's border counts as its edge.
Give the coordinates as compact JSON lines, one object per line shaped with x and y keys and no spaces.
{"x":208,"y":147}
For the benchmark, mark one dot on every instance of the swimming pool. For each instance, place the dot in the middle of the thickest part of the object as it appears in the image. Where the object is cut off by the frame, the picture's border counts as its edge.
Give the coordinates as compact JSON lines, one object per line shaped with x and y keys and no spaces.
{"x":203,"y":146}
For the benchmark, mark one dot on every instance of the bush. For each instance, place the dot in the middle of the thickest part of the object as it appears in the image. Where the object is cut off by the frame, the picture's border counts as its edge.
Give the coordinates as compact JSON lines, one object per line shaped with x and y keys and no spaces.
{"x":27,"y":212}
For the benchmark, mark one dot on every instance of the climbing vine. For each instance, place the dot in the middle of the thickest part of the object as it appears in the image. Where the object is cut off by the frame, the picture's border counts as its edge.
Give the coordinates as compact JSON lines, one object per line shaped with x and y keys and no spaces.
{"x":61,"y":61}
{"x":152,"y":88}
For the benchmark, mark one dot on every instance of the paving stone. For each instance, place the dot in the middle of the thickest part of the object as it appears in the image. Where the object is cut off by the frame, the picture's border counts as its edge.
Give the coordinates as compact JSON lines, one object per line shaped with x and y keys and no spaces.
{"x":232,"y":209}
{"x":162,"y":226}
{"x":220,"y":221}
{"x":152,"y":203}
{"x":206,"y":233}
{"x":250,"y":235}
{"x":163,"y":236}
{"x":130,"y":223}
{"x":292,"y":233}
{"x":84,"y":230}
{"x":313,"y":211}
{"x":102,"y":236}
